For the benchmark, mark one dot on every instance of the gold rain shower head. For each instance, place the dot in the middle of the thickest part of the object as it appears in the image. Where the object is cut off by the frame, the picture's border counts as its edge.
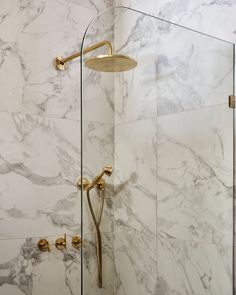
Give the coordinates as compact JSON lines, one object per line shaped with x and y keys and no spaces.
{"x":103,"y":63}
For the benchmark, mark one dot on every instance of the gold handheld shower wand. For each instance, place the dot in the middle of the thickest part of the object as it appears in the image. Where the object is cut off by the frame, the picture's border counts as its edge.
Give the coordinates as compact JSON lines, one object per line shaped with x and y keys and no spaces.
{"x":108,"y":171}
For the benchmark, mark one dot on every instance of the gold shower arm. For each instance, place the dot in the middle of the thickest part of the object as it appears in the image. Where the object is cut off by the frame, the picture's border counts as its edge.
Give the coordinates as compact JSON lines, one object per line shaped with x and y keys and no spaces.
{"x":60,"y":62}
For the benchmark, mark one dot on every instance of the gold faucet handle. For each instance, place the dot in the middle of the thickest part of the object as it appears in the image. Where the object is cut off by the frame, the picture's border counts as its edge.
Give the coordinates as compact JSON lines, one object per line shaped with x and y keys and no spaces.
{"x":60,"y":243}
{"x":43,"y":245}
{"x":76,"y":242}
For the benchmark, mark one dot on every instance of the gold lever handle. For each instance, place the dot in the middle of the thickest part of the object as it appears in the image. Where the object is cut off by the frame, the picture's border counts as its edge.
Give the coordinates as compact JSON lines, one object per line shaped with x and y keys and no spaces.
{"x":60,"y":243}
{"x":43,"y":245}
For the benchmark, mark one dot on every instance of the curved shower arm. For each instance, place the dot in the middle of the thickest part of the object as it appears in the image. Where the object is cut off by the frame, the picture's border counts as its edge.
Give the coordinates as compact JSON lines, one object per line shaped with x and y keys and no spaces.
{"x":60,"y":62}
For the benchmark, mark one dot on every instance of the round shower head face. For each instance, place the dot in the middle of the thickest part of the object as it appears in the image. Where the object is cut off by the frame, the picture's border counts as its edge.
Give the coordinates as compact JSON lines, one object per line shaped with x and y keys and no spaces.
{"x":111,"y":63}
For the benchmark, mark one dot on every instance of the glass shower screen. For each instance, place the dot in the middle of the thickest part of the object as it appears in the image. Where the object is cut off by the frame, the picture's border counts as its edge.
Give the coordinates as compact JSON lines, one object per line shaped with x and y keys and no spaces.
{"x":161,"y":220}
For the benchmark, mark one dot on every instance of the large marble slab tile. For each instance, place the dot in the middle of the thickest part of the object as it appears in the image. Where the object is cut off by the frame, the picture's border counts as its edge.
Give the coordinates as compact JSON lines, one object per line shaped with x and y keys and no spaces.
{"x":98,"y":95}
{"x":40,"y":161}
{"x":135,"y":262}
{"x":32,"y":35}
{"x":98,"y":152}
{"x":26,"y":270}
{"x":135,"y":90}
{"x":135,"y":176}
{"x":97,"y":5}
{"x":210,"y":17}
{"x":172,"y":64}
{"x":98,"y":87}
{"x":195,"y":175}
{"x":90,"y":265}
{"x":193,"y":268}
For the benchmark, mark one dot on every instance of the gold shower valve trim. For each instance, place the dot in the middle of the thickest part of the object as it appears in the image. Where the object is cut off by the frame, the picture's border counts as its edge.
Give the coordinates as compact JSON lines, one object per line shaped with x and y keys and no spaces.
{"x":43,"y":245}
{"x":76,"y":242}
{"x":60,"y":61}
{"x":60,"y":243}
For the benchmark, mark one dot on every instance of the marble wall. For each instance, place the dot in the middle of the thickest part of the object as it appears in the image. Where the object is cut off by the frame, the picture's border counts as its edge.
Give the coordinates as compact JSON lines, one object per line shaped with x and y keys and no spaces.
{"x":40,"y":154}
{"x":169,"y":218}
{"x":173,"y":155}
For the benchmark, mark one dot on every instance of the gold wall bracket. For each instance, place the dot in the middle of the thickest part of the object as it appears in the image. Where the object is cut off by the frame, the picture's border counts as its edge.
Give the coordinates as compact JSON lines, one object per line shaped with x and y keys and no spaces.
{"x":60,"y":62}
{"x":232,"y":101}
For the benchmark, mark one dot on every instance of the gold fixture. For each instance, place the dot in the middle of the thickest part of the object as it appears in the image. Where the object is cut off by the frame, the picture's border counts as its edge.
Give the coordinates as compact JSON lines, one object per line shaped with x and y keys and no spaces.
{"x":83,"y":184}
{"x":76,"y":242}
{"x":103,"y":63}
{"x":97,"y":220}
{"x":111,"y":63}
{"x":101,"y":185}
{"x":106,"y":170}
{"x":232,"y":101}
{"x":60,"y":243}
{"x":43,"y":245}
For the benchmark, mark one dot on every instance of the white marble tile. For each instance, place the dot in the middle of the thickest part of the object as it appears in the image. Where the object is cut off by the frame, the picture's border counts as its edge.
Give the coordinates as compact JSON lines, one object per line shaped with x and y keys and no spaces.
{"x":90,"y":265}
{"x":135,"y":262}
{"x":195,"y":175}
{"x":98,"y":96}
{"x":193,"y":268}
{"x":98,"y":87}
{"x":40,"y":161}
{"x":135,"y":90}
{"x":135,"y":184}
{"x":98,"y":5}
{"x":26,"y":270}
{"x":32,"y":35}
{"x":172,"y":63}
{"x":98,"y":152}
{"x":210,"y":17}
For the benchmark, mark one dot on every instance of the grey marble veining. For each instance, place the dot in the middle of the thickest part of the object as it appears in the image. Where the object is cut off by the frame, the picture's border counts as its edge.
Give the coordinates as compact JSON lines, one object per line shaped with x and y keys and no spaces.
{"x":24,"y":270}
{"x":177,"y":170}
{"x":32,"y":35}
{"x":135,"y":185}
{"x":167,"y":77}
{"x":135,"y":262}
{"x":216,"y":18}
{"x":195,"y":175}
{"x":39,"y":165}
{"x":40,"y":161}
{"x":193,"y":268}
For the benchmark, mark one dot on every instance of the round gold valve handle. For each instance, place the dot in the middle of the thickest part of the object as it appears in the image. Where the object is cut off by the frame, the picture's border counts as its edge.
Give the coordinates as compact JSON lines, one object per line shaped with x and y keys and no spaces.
{"x":83,"y":183}
{"x":76,"y":242}
{"x":60,"y":243}
{"x":43,"y":245}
